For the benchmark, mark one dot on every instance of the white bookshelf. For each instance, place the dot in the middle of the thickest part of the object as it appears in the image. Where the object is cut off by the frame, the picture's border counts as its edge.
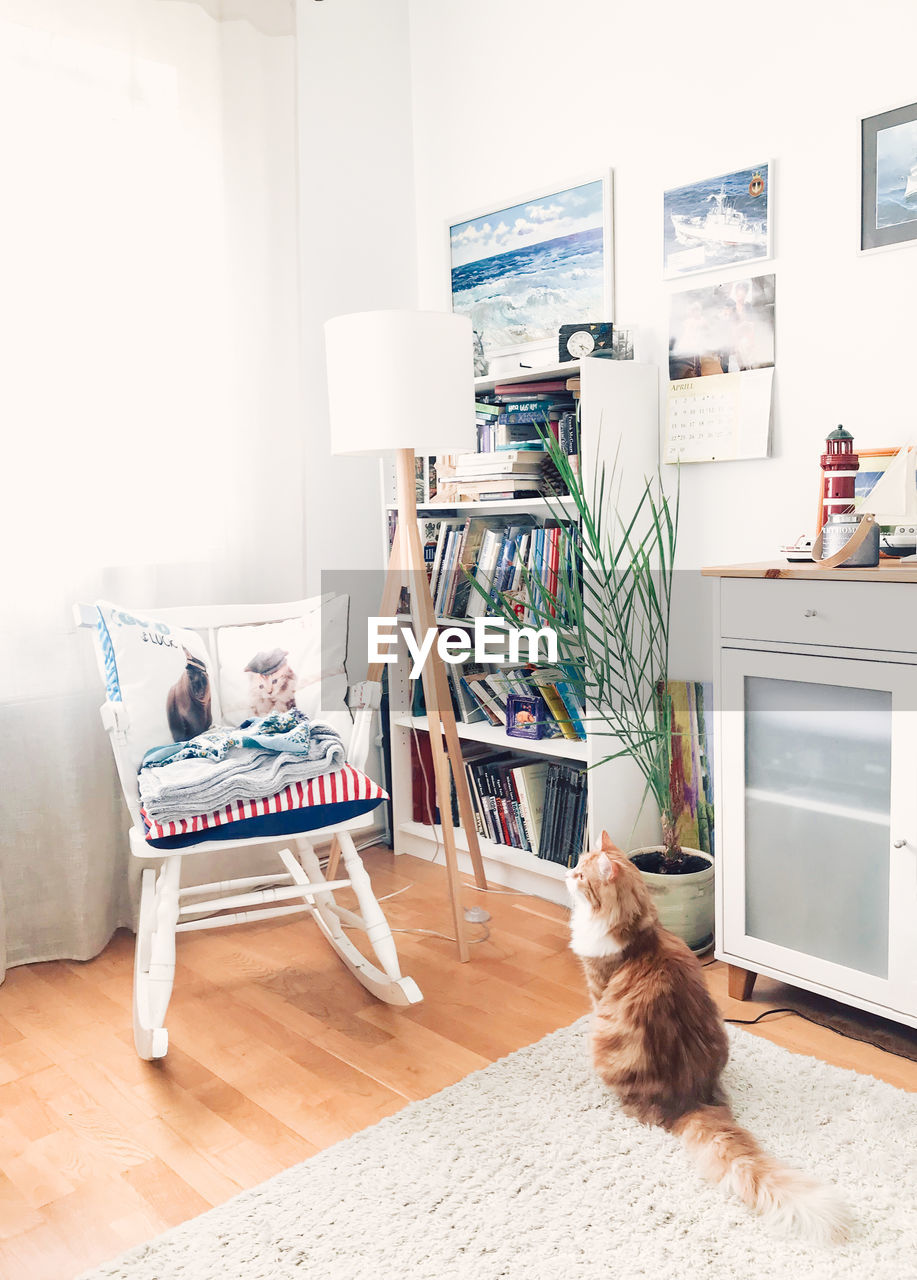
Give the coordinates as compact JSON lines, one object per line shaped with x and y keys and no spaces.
{"x":558,"y":748}
{"x":619,"y":418}
{"x":543,"y":506}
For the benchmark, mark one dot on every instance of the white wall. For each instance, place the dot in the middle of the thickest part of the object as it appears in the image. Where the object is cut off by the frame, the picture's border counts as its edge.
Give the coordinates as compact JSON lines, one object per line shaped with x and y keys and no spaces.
{"x":357,"y":253}
{"x":513,"y":94}
{"x":357,"y":249}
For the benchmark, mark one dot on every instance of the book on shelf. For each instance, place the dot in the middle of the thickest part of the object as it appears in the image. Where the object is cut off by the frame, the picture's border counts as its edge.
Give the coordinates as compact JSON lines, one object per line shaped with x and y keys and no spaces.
{"x":509,"y":479}
{"x":507,"y":795}
{"x":563,"y":832}
{"x":506,"y":461}
{"x":534,"y":417}
{"x":503,"y":554}
{"x":480,"y":692}
{"x":524,"y":413}
{"x":518,"y":471}
{"x":538,"y":806}
{"x":543,"y":387}
{"x":567,"y":711}
{"x":423,"y":795}
{"x":468,"y":550}
{"x":527,"y":404}
{"x":425,"y":481}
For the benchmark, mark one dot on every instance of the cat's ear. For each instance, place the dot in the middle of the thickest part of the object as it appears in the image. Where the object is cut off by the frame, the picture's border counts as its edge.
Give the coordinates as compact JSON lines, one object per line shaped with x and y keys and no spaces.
{"x":606,"y":868}
{"x":608,"y":845}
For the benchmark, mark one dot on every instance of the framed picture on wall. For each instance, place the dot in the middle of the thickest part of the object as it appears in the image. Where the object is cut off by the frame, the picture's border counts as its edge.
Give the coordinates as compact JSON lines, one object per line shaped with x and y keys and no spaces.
{"x":888,"y":178}
{"x":718,"y":222}
{"x":521,"y":270}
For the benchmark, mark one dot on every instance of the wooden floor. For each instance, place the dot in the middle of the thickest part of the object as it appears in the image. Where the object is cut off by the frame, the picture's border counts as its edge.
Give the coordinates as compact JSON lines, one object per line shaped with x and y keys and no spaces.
{"x":275,"y":1053}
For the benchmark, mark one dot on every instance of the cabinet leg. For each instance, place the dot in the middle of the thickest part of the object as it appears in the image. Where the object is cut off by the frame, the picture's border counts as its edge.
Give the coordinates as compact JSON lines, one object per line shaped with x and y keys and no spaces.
{"x":740,"y":982}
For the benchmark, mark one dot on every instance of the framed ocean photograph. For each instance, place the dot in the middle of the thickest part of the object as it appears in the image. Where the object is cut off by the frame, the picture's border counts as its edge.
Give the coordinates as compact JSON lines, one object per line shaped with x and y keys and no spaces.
{"x":719,"y":222}
{"x":888,"y":178}
{"x":522,"y":270}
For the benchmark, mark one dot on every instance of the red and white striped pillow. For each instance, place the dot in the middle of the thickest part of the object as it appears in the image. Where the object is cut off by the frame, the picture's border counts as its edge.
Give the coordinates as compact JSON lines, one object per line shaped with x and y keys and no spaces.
{"x":343,"y":786}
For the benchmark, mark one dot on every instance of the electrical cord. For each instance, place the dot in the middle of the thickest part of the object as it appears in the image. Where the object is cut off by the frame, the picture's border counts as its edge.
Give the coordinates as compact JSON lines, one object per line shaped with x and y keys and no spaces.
{"x":445,"y":936}
{"x":816,"y":1022}
{"x":433,"y":933}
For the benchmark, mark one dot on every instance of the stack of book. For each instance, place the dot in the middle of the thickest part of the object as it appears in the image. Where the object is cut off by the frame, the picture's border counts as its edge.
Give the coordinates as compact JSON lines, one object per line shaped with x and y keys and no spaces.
{"x":510,"y":418}
{"x":497,"y":552}
{"x":535,"y":805}
{"x":480,"y":692}
{"x":507,"y":795}
{"x":563,"y":822}
{"x":482,"y":477}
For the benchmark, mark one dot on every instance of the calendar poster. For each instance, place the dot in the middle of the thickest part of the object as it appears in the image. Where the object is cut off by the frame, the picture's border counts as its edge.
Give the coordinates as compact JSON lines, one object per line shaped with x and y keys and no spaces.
{"x":719,"y":418}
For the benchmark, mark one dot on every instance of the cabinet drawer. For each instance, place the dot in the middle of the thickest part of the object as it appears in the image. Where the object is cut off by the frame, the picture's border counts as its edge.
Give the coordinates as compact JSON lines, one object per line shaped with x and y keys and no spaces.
{"x":858,"y":615}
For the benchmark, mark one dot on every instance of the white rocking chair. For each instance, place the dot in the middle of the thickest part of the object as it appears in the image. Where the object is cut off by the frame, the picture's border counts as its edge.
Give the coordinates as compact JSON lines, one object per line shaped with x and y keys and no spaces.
{"x":163,"y":902}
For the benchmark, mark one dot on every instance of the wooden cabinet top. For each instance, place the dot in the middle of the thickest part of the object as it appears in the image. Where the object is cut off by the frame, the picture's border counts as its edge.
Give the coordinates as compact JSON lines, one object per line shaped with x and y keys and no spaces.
{"x":886,"y":571}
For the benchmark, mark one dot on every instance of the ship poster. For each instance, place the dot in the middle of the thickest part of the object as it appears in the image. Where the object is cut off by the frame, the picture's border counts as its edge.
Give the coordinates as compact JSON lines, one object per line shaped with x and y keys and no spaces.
{"x":889,"y":178}
{"x":521,"y":271}
{"x":718,"y":222}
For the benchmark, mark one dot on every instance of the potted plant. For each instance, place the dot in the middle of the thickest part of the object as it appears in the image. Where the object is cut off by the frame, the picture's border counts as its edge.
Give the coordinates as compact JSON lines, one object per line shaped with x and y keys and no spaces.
{"x":610,"y":604}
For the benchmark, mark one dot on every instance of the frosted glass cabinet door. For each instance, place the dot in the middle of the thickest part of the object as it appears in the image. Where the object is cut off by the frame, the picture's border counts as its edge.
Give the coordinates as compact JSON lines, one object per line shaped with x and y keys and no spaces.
{"x":817,"y":814}
{"x":812,"y":799}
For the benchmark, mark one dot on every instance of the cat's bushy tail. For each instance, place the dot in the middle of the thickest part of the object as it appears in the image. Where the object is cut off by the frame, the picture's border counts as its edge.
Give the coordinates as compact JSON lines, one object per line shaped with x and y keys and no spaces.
{"x":795,"y":1203}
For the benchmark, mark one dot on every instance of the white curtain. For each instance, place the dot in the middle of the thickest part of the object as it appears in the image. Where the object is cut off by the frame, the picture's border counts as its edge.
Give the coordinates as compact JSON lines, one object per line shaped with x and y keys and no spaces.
{"x":149,"y":399}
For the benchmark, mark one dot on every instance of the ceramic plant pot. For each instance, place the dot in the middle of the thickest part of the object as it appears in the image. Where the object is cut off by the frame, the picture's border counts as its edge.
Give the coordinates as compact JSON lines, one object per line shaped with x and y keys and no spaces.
{"x":684,"y":902}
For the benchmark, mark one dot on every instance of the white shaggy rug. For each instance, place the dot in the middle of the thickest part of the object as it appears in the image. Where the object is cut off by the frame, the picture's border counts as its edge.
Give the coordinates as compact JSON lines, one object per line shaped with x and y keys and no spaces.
{"x":528,"y":1171}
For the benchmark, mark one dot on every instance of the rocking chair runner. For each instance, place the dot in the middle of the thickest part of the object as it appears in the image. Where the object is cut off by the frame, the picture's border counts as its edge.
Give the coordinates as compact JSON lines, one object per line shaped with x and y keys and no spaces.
{"x":163,"y":902}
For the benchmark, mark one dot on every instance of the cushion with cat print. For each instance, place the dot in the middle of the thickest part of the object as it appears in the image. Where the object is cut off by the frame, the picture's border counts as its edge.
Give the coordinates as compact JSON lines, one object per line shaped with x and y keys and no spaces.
{"x":299,"y":662}
{"x":161,"y":673}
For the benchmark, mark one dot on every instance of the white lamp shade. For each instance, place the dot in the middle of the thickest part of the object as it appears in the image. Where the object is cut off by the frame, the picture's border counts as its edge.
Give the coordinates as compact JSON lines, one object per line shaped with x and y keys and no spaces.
{"x":400,"y":380}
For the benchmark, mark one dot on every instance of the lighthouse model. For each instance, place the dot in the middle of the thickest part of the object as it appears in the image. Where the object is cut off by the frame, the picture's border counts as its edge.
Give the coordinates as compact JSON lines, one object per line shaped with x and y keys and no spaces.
{"x":840,"y":465}
{"x":840,"y":525}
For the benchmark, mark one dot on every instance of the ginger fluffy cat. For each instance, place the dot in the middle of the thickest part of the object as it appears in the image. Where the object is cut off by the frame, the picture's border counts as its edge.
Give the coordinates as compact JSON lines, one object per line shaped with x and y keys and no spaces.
{"x":660,"y":1044}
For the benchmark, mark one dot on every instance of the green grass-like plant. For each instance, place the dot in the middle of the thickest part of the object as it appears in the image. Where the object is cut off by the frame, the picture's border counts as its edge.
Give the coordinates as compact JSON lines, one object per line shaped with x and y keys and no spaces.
{"x":611,"y":609}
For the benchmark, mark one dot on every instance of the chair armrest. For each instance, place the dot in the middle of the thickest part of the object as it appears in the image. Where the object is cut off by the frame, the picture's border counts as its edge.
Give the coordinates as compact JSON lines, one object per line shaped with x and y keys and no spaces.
{"x":115,"y":718}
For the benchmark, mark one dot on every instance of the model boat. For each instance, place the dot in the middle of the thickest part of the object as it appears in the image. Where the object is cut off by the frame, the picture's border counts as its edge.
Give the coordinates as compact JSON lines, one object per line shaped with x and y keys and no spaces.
{"x":724,"y":226}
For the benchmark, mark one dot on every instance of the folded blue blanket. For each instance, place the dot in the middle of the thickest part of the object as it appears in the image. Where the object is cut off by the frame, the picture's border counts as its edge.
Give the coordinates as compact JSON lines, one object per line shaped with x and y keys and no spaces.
{"x":279,"y":731}
{"x":224,"y":764}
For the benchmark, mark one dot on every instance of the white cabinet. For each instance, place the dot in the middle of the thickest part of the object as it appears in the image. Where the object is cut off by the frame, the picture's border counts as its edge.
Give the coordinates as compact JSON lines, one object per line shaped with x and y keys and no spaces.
{"x":816,"y":786}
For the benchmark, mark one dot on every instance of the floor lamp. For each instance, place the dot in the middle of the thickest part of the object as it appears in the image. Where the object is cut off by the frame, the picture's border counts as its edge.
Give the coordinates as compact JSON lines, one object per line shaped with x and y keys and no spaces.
{"x":403,"y":382}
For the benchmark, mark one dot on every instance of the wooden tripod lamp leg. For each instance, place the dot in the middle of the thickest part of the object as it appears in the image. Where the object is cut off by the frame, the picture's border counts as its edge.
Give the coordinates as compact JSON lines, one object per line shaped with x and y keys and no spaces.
{"x":440,"y":715}
{"x":412,"y":559}
{"x":406,"y":553}
{"x":454,"y":750}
